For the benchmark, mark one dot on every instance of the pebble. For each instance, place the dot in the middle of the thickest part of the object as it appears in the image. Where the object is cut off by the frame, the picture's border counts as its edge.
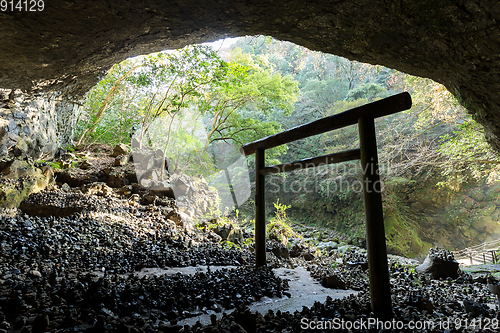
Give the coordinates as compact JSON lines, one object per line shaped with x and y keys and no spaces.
{"x":77,"y":273}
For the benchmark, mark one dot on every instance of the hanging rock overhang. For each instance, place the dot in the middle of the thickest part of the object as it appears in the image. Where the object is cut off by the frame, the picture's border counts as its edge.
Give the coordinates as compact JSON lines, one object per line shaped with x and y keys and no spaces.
{"x":70,"y":44}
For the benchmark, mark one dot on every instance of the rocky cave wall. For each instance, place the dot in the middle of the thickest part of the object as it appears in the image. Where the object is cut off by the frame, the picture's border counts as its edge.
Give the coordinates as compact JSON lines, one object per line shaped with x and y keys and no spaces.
{"x":34,"y":124}
{"x":57,"y":54}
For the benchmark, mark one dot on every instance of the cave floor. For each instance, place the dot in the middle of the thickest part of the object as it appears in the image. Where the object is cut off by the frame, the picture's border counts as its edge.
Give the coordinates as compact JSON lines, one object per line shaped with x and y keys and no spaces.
{"x":304,"y":291}
{"x":494,"y":269}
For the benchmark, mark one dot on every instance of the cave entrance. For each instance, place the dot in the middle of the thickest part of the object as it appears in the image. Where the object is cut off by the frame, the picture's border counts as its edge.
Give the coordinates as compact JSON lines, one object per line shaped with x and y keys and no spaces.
{"x":364,"y":116}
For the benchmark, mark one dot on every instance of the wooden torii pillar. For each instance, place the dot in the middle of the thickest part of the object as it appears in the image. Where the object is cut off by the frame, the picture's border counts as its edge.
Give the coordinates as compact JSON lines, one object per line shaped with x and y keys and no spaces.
{"x":380,"y":289}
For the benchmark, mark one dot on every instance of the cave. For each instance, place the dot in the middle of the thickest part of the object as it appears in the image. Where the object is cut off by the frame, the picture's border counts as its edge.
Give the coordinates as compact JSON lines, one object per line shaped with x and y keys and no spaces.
{"x":53,"y":53}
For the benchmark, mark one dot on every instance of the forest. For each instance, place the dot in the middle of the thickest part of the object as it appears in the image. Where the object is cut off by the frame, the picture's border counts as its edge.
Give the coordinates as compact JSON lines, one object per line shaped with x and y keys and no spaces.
{"x":198,"y":105}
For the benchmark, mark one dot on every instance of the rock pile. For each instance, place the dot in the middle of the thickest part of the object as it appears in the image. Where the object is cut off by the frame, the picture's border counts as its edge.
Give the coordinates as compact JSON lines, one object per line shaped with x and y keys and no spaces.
{"x":70,"y":259}
{"x":90,"y":303}
{"x":31,"y":125}
{"x":440,"y":264}
{"x":346,"y":272}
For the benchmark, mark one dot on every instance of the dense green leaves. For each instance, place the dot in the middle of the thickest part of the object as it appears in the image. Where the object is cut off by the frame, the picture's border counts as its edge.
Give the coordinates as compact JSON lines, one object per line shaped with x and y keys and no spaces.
{"x":181,"y":101}
{"x":266,"y":86}
{"x":467,"y":153}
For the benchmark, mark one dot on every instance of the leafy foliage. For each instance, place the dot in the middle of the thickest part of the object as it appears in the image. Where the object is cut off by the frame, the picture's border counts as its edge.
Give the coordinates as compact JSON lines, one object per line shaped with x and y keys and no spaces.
{"x":278,"y":228}
{"x":185,"y":102}
{"x":172,"y":96}
{"x":467,"y":153}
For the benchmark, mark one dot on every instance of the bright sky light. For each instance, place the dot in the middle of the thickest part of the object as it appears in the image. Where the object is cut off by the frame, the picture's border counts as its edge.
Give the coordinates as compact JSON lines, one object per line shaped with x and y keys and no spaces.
{"x":218,"y":45}
{"x":223,"y":43}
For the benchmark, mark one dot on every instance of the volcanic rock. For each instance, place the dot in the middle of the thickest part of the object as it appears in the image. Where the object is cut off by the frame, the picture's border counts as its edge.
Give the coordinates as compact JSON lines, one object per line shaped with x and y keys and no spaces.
{"x":85,"y":165}
{"x":439,"y":264}
{"x":98,"y":188}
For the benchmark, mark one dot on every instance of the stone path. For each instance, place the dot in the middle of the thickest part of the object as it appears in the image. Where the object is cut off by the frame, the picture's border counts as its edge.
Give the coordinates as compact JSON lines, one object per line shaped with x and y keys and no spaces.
{"x":304,"y":291}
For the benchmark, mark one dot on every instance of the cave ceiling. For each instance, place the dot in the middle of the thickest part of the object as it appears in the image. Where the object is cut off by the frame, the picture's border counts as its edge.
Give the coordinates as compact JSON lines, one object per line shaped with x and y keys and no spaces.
{"x":70,"y":44}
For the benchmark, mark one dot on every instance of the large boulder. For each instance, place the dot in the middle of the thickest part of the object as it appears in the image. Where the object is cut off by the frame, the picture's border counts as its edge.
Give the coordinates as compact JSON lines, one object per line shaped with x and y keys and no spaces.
{"x":97,"y":188}
{"x":235,"y":236}
{"x":223,"y":230}
{"x":440,"y":264}
{"x":120,"y":149}
{"x":34,"y":125}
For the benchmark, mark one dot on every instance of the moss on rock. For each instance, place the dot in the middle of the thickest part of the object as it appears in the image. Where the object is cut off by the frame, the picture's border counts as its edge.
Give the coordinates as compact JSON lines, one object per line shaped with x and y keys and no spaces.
{"x":19,"y":179}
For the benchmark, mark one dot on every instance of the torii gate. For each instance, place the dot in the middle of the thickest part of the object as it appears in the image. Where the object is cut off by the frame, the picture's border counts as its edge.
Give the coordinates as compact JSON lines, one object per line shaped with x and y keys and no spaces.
{"x":364,"y":116}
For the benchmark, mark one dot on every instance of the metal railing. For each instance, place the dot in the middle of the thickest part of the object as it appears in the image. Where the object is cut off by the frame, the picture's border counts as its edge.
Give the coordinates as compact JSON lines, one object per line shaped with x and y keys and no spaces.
{"x":484,"y":252}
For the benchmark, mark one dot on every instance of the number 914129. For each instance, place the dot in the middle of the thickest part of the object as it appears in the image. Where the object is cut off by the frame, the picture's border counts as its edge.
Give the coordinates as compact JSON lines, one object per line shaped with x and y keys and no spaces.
{"x":22,"y":5}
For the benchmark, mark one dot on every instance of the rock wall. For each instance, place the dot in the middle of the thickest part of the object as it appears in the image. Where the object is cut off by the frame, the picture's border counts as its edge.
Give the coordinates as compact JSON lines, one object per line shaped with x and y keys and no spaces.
{"x":34,"y":125}
{"x":417,"y":214}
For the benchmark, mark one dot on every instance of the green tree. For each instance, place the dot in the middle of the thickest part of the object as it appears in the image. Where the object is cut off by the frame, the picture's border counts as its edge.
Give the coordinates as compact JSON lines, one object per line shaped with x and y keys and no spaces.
{"x":108,"y":112}
{"x":467,"y":153}
{"x":175,"y":81}
{"x":241,"y":107}
{"x":173,"y":94}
